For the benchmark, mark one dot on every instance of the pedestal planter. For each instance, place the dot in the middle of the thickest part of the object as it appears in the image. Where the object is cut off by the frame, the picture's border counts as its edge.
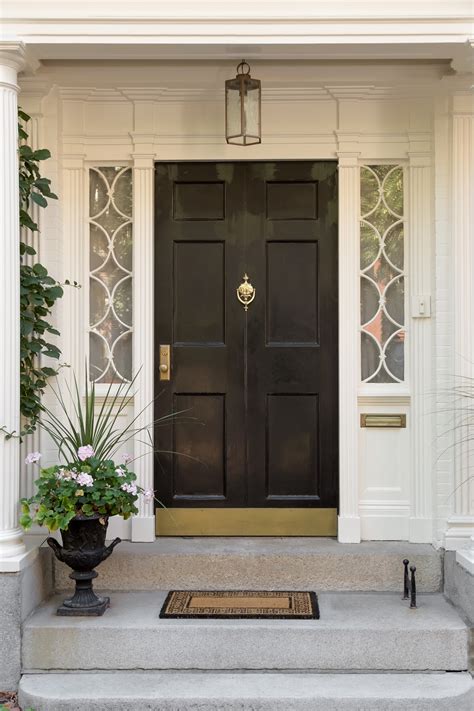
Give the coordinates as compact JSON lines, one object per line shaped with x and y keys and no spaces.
{"x":82,"y":550}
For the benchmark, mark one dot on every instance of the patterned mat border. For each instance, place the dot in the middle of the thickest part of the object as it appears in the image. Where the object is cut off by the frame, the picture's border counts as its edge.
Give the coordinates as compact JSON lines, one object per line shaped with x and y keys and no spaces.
{"x":188,"y":616}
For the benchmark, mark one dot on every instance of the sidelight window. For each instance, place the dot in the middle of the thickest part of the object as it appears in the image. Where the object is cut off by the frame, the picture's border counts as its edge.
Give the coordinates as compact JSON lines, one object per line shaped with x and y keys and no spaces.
{"x":382,"y":280}
{"x":110,"y":274}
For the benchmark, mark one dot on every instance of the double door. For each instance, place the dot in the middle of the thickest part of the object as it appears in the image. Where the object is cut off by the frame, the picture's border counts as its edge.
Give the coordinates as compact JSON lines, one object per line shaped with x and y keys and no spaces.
{"x":246,"y":347}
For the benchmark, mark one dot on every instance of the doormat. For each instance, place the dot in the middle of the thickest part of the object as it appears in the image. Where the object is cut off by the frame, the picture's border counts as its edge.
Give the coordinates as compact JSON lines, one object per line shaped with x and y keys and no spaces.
{"x":240,"y":604}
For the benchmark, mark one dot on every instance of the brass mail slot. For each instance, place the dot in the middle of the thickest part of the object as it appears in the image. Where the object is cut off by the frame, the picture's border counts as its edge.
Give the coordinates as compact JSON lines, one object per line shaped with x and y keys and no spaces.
{"x":394,"y":421}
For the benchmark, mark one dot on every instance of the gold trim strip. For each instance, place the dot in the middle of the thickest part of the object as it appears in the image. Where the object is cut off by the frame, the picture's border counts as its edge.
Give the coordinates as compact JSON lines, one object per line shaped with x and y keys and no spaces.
{"x":246,"y":522}
{"x":385,"y":420}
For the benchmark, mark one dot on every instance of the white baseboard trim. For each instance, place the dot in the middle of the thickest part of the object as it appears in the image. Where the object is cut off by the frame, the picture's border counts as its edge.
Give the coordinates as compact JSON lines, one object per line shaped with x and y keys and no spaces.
{"x":421,"y":530}
{"x":384,"y":528}
{"x":459,"y":532}
{"x":143,"y":529}
{"x":348,"y":529}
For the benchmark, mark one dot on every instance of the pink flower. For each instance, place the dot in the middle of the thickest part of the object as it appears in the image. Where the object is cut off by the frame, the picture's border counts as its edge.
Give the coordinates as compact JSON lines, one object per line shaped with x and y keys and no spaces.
{"x":65,"y":474}
{"x":84,"y":479}
{"x":120,"y":472}
{"x":148,"y":494}
{"x":33,"y":457}
{"x":85,"y":452}
{"x":127,"y":458}
{"x":129,"y":488}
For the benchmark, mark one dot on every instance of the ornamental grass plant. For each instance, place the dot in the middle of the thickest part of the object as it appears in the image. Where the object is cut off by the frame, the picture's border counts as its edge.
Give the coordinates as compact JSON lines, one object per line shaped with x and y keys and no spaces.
{"x":88,"y":480}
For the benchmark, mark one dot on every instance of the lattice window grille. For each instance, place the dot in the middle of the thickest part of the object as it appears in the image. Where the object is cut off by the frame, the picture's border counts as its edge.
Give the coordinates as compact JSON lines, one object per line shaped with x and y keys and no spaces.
{"x":382,"y":266}
{"x":110,"y":274}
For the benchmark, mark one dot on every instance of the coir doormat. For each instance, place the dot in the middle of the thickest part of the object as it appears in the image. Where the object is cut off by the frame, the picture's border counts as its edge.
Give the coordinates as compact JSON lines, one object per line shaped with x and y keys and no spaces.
{"x":240,"y":604}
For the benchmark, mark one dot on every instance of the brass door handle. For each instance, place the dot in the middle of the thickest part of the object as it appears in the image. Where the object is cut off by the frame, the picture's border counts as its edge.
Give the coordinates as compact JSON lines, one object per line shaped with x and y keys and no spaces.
{"x":165,"y":356}
{"x":246,"y":292}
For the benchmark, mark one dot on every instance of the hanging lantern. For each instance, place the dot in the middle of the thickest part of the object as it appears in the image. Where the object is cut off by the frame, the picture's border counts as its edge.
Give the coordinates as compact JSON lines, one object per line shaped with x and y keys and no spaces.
{"x":243,"y":108}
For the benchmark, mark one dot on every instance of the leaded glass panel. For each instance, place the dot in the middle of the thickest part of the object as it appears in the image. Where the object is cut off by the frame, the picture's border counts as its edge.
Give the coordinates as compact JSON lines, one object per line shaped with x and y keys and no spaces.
{"x":382,"y":286}
{"x":110,"y":274}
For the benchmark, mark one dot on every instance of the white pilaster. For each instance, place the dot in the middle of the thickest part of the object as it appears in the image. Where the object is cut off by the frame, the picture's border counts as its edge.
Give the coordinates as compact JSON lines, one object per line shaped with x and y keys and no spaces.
{"x":74,"y":316}
{"x":32,"y":442}
{"x":418,"y":240}
{"x":143,"y":525}
{"x":12,"y":59}
{"x":349,"y":345}
{"x":461,"y":522}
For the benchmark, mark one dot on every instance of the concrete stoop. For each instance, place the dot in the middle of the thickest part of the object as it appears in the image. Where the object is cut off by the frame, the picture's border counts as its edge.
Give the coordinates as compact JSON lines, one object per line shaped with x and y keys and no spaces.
{"x":357,"y":631}
{"x":368,"y":652}
{"x":211,"y":691}
{"x":320,"y":564}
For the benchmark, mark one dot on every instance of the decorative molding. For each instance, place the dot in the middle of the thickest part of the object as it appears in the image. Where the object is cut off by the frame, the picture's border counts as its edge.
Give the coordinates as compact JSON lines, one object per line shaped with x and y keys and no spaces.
{"x":230,"y":24}
{"x":270,"y":94}
{"x":349,"y":366}
{"x":15,"y":55}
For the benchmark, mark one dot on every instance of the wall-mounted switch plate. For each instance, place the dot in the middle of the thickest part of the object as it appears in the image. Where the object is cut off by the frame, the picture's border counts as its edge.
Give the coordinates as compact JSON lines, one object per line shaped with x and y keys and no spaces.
{"x":421,"y":306}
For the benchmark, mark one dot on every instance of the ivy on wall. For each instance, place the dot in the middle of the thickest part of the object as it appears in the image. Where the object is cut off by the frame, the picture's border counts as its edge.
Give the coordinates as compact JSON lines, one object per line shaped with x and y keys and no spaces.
{"x":38,"y":290}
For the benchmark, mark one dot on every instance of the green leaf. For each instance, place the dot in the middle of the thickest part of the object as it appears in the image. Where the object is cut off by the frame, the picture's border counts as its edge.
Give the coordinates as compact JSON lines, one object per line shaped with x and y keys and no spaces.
{"x":23,"y":115}
{"x":39,"y":199}
{"x":27,"y":249}
{"x":41,"y":154}
{"x":26,"y":221}
{"x":26,"y":152}
{"x":40,"y":270}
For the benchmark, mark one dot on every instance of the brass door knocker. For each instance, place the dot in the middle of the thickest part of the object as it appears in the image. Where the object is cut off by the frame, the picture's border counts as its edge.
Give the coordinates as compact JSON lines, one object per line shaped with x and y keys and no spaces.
{"x":246,"y":292}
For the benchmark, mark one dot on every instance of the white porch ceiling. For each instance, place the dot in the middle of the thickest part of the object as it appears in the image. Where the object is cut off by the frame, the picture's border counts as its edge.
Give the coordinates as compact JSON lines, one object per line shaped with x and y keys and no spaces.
{"x":229,"y":29}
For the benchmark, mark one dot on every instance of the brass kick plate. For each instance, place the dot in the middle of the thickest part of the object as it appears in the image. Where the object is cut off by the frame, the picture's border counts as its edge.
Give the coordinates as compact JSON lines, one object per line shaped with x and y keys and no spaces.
{"x":165,"y":365}
{"x":246,"y":522}
{"x":385,"y":420}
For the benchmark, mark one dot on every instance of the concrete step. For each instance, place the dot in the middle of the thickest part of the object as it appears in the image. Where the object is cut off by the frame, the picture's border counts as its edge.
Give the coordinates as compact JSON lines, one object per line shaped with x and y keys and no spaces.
{"x":357,"y":631}
{"x":171,"y":691}
{"x":263,"y":563}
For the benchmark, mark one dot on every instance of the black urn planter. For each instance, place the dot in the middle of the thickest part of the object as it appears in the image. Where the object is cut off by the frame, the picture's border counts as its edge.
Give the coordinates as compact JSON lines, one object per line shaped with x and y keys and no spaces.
{"x":82,"y":550}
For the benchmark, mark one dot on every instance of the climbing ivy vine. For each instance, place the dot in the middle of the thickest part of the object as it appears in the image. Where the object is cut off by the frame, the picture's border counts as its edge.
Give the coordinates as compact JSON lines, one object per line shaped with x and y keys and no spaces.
{"x":38,"y":290}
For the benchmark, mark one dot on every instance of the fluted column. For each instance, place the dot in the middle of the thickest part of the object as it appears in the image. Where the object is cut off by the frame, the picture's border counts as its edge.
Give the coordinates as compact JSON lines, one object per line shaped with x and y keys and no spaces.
{"x":11,"y":61}
{"x":461,"y":522}
{"x":349,"y":345}
{"x":143,"y":525}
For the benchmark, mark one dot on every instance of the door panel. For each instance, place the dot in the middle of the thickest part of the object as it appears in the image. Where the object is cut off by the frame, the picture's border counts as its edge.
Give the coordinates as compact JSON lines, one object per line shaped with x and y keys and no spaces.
{"x":197,"y":209}
{"x":256,"y":390}
{"x":292,"y":294}
{"x":200,"y":470}
{"x":199,"y":271}
{"x":294,"y":263}
{"x":292,"y":445}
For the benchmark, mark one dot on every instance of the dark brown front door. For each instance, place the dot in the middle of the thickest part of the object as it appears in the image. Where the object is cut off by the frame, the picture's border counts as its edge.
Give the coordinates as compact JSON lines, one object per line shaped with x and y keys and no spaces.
{"x":256,"y":390}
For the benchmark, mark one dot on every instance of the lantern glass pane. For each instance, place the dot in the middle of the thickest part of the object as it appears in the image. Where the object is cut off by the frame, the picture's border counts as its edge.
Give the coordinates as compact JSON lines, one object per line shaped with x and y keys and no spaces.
{"x":234,"y":127}
{"x":252,"y":112}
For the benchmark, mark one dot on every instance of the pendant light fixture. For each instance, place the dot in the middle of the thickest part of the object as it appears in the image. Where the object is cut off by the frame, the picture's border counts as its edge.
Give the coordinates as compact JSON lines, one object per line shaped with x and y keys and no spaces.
{"x":243,"y":108}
